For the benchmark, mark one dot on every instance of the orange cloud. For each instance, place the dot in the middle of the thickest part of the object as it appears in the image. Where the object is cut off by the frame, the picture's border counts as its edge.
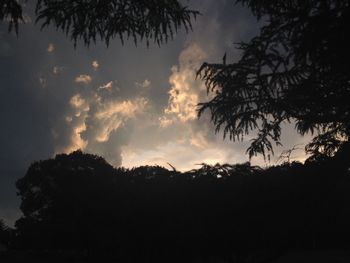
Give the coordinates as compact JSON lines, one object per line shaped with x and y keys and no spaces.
{"x":107,"y":86}
{"x":76,"y":142}
{"x":145,"y":84}
{"x":79,"y":104}
{"x":95,"y":64}
{"x":110,"y":116}
{"x":83,"y":78}
{"x":199,"y":140}
{"x":51,"y":48}
{"x":186,"y":91}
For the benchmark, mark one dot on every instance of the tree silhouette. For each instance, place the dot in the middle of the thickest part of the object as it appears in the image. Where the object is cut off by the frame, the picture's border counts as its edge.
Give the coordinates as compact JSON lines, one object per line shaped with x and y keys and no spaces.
{"x":78,"y":202}
{"x":62,"y":199}
{"x":92,"y":20}
{"x":294,"y":70}
{"x":5,"y":234}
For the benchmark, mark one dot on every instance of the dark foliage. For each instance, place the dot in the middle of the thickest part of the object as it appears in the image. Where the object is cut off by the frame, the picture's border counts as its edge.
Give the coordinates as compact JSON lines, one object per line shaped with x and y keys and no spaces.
{"x":89,"y":21}
{"x":78,"y":202}
{"x":295,"y":69}
{"x":11,"y":11}
{"x":64,"y":197}
{"x":5,"y":234}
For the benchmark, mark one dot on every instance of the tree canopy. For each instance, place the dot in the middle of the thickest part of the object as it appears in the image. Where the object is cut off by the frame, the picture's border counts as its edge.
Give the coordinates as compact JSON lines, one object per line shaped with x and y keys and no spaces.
{"x":62,"y":196}
{"x":78,"y":202}
{"x":295,"y":70}
{"x":5,"y":234}
{"x":92,"y":20}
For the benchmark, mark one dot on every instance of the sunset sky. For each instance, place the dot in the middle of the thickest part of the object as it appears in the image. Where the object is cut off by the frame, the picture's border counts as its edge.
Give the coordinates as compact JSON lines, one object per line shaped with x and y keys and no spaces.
{"x":133,"y":105}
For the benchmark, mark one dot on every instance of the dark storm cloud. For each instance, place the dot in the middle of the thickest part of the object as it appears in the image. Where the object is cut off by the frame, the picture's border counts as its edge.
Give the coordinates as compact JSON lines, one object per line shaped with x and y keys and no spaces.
{"x":25,"y":128}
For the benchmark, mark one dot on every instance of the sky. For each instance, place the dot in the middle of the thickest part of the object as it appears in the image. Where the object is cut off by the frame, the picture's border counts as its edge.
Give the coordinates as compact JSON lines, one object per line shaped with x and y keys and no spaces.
{"x":133,"y":105}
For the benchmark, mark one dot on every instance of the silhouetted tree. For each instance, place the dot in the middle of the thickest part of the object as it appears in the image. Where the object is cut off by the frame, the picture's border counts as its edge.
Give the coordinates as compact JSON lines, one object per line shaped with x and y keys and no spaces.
{"x":92,"y":20}
{"x":62,"y":199}
{"x":294,"y":70}
{"x":11,"y":11}
{"x":79,"y":202}
{"x":5,"y":234}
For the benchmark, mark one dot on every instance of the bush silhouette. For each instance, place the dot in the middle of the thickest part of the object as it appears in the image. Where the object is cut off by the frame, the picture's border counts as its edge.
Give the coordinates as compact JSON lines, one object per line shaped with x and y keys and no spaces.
{"x":79,"y":202}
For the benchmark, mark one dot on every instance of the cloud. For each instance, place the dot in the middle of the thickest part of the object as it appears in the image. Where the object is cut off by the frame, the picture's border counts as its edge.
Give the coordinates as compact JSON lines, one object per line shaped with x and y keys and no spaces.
{"x":83,"y":78}
{"x":109,"y":123}
{"x":79,"y":104}
{"x":108,"y":86}
{"x":145,"y":84}
{"x":57,"y":70}
{"x":77,"y":101}
{"x":164,"y":121}
{"x":42,"y":82}
{"x":73,"y":125}
{"x":95,"y":64}
{"x":112,"y":115}
{"x":180,"y":156}
{"x":199,"y":140}
{"x":94,"y":123}
{"x":51,"y":48}
{"x":178,"y":136}
{"x":76,"y":141}
{"x":185,"y":91}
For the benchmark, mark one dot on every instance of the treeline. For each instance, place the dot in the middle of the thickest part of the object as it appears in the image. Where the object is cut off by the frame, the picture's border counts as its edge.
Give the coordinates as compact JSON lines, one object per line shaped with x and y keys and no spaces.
{"x":78,"y":202}
{"x":6,"y":235}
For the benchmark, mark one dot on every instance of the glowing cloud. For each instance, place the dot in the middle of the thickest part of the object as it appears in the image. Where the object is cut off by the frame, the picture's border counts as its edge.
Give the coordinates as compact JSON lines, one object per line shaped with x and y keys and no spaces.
{"x":56,"y":70}
{"x":180,"y":156}
{"x":76,"y":142}
{"x":112,"y":115}
{"x":108,"y":86}
{"x":83,"y":78}
{"x":51,"y":48}
{"x":186,"y":91}
{"x":76,"y":124}
{"x":93,"y":122}
{"x":79,"y":103}
{"x":199,"y":140}
{"x":95,"y":64}
{"x":145,"y":84}
{"x":165,"y":122}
